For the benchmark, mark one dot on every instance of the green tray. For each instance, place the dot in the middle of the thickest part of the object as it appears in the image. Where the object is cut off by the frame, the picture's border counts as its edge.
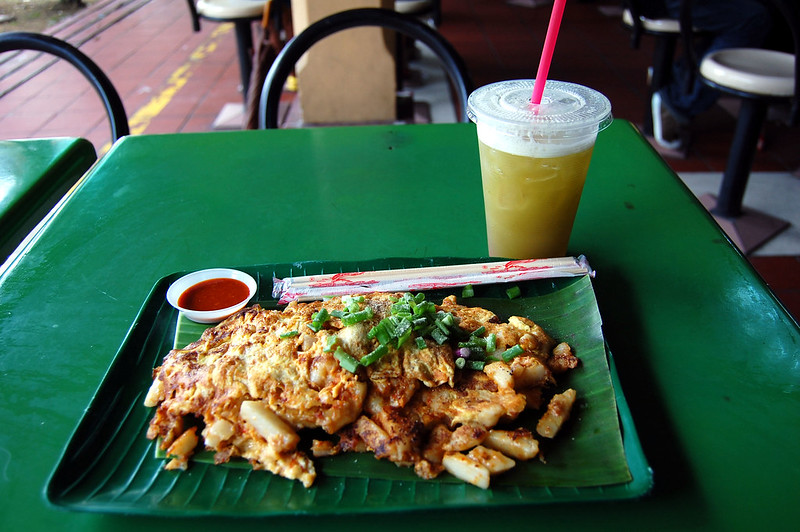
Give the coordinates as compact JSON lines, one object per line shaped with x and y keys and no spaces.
{"x":110,"y":466}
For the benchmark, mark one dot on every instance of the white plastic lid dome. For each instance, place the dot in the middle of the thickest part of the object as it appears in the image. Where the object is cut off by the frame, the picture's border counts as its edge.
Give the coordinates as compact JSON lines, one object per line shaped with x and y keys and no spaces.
{"x":568,"y":108}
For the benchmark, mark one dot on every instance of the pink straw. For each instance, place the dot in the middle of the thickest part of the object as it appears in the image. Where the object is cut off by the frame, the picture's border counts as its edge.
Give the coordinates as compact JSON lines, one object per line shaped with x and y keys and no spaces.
{"x":547,"y":51}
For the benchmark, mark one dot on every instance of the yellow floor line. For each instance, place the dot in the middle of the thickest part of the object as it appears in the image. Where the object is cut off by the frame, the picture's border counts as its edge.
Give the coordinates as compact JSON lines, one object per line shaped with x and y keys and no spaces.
{"x":141,"y":119}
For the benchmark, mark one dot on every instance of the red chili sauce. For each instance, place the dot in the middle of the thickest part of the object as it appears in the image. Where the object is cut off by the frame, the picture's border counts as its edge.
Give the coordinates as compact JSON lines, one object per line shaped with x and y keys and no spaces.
{"x":213,"y":294}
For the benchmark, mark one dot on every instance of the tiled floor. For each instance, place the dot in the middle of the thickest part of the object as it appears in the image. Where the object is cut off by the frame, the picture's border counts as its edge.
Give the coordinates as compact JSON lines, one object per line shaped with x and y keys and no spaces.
{"x":174,"y":80}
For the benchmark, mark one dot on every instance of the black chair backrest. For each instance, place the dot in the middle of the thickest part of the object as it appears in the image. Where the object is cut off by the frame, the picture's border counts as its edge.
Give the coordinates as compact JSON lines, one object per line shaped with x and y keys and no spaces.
{"x":284,"y":63}
{"x":643,"y":8}
{"x":45,"y":43}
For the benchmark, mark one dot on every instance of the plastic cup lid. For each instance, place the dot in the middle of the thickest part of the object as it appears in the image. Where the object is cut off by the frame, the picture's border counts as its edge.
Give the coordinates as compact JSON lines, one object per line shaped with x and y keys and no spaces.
{"x":565,"y":107}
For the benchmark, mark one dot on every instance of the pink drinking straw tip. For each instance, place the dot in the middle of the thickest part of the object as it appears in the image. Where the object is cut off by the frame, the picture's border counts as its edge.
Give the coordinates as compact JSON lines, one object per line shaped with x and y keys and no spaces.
{"x":547,"y":51}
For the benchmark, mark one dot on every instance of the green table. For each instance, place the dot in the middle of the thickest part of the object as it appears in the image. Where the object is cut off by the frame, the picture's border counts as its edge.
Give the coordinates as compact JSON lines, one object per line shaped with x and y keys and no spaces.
{"x":708,"y":358}
{"x":34,"y":175}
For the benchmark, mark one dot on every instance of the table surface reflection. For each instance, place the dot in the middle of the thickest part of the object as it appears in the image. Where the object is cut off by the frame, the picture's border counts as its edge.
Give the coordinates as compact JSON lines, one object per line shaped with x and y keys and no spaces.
{"x":34,"y":175}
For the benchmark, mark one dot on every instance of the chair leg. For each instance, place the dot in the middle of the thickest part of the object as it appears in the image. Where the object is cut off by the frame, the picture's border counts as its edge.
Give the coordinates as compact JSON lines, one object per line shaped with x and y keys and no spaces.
{"x":244,"y":47}
{"x":663,"y":56}
{"x":740,"y":160}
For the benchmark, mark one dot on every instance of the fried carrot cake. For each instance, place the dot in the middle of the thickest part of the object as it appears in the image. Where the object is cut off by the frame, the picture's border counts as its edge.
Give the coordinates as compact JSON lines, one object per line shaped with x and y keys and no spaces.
{"x":415,"y":383}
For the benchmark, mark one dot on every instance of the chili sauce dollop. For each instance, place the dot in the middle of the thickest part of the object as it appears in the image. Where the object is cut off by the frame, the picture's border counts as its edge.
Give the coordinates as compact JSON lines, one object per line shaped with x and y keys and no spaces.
{"x":213,"y":294}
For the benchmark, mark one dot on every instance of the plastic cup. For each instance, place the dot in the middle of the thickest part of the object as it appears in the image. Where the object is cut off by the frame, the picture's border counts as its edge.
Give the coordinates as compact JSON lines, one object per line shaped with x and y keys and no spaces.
{"x":534,"y":160}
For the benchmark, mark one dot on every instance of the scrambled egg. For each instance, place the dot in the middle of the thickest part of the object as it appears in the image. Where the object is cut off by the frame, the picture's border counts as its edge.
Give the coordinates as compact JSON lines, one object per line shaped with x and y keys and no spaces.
{"x":261,"y":376}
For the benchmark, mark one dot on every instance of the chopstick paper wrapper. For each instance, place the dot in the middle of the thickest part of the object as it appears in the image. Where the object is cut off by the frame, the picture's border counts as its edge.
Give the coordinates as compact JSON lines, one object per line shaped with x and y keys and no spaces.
{"x":311,"y":287}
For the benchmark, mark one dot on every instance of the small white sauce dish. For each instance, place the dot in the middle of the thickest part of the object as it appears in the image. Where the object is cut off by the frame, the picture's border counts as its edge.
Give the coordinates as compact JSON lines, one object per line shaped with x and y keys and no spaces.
{"x":188,"y":281}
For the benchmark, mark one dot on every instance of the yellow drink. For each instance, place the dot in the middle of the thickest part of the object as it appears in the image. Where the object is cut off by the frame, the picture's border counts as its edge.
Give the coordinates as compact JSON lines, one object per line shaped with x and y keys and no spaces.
{"x":531,"y":202}
{"x":534,"y":158}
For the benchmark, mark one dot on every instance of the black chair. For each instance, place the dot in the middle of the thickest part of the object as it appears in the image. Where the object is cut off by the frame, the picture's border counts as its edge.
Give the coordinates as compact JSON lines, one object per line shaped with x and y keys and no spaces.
{"x":12,"y":41}
{"x":760,"y":78}
{"x":667,"y":33}
{"x":406,"y":25}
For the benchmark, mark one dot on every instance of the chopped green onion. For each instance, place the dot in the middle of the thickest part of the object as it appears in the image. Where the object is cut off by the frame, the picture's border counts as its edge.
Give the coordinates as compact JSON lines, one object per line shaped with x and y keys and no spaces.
{"x":461,"y":362}
{"x":330,"y":343}
{"x":468,"y":291}
{"x":346,"y":361}
{"x":404,"y":308}
{"x":476,"y":365}
{"x":426,"y":330}
{"x":349,"y":300}
{"x":318,"y":319}
{"x":510,"y":353}
{"x":438,"y":336}
{"x":477,"y":353}
{"x":390,"y":326}
{"x":412,"y":316}
{"x":380,"y":333}
{"x":402,"y":326}
{"x":356,"y":317}
{"x":479,"y":331}
{"x":513,"y":292}
{"x":448,"y":319}
{"x":289,"y":334}
{"x":491,"y":342}
{"x":375,"y":355}
{"x":419,"y":323}
{"x":425,"y":307}
{"x":403,"y":338}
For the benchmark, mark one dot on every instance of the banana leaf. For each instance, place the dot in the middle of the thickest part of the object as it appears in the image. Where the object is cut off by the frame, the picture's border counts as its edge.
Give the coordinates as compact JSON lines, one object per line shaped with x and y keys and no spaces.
{"x":588,"y":452}
{"x":108,"y":465}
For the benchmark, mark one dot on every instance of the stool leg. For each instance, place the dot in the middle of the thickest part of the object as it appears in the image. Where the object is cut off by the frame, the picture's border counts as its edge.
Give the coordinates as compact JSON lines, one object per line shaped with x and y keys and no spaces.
{"x":740,"y":160}
{"x":663,"y":55}
{"x":244,"y":47}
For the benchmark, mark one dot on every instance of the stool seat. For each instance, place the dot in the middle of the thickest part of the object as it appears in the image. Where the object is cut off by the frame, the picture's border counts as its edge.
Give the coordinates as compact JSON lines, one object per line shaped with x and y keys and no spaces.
{"x":751,"y":70}
{"x":412,"y":7}
{"x":231,"y":9}
{"x":653,"y":25}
